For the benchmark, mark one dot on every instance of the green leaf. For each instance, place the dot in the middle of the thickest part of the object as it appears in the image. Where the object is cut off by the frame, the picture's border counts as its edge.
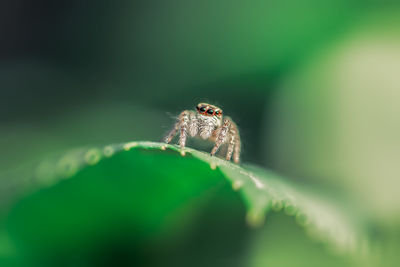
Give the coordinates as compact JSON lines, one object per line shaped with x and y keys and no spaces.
{"x":153,"y":180}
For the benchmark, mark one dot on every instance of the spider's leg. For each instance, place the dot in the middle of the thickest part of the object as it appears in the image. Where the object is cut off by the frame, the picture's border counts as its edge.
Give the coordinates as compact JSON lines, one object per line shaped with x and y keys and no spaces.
{"x":172,"y":133}
{"x":178,"y":125}
{"x":193,"y":124}
{"x":231,"y":142}
{"x":236,"y":153}
{"x":221,"y":136}
{"x":184,"y":127}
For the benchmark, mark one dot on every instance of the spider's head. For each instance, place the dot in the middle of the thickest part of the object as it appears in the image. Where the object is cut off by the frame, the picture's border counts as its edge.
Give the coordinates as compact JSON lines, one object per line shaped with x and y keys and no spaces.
{"x":209,"y":110}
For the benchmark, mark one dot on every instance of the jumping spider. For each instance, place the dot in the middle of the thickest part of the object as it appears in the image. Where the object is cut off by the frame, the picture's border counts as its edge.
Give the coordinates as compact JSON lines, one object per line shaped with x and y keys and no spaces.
{"x":208,"y":123}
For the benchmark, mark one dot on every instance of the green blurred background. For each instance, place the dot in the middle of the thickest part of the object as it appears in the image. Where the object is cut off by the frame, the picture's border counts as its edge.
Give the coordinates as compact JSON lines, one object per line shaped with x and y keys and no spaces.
{"x":313,"y":85}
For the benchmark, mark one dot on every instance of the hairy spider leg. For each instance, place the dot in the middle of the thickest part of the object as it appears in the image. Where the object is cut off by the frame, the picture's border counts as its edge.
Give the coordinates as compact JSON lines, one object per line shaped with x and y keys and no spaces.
{"x":232,"y":141}
{"x":221,"y":136}
{"x":236,"y":153}
{"x":186,"y":123}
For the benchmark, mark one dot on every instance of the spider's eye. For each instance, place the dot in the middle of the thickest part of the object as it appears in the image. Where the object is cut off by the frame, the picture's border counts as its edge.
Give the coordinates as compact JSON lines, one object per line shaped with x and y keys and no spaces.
{"x":210,"y":111}
{"x":217,"y":112}
{"x":202,"y":109}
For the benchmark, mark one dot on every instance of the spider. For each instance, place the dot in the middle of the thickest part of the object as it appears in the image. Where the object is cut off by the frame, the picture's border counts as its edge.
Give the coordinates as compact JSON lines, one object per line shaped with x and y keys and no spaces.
{"x":207,"y":122}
